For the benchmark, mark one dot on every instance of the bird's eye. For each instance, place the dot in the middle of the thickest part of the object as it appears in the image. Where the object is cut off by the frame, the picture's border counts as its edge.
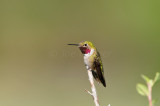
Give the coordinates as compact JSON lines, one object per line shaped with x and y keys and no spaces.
{"x":85,"y":44}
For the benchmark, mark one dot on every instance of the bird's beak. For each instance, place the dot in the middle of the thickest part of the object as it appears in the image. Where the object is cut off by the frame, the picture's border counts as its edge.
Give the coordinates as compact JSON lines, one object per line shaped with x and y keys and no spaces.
{"x":74,"y":44}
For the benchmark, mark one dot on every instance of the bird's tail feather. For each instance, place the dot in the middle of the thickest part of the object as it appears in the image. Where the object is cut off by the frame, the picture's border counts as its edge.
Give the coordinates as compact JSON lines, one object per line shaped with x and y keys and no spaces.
{"x":99,"y":78}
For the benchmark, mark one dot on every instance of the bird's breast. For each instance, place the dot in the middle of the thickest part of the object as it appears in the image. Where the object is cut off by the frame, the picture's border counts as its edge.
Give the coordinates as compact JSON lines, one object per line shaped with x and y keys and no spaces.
{"x":88,"y":59}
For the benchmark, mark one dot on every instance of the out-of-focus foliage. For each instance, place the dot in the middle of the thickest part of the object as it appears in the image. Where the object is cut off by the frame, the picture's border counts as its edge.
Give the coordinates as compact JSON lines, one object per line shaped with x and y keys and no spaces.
{"x":157,"y":78}
{"x":143,"y":89}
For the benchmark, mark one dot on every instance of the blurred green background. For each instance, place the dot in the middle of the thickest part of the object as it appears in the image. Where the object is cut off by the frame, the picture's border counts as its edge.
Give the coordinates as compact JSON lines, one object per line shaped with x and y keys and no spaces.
{"x":38,"y":68}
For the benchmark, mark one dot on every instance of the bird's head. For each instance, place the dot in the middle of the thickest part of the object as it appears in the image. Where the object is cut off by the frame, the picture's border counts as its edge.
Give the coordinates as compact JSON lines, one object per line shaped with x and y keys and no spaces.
{"x":85,"y":46}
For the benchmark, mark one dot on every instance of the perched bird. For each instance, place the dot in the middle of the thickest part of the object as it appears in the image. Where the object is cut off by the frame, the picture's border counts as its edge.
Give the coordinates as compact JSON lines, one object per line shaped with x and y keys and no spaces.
{"x":92,"y":60}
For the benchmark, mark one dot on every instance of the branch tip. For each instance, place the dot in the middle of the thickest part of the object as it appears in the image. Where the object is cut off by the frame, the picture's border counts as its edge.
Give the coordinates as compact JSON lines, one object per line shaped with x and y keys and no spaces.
{"x":88,"y":92}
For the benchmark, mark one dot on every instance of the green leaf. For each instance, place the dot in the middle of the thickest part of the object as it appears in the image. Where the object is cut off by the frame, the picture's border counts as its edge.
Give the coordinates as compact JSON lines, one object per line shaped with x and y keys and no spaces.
{"x":151,"y":82}
{"x":142,"y":89}
{"x":145,"y":78}
{"x":157,"y":77}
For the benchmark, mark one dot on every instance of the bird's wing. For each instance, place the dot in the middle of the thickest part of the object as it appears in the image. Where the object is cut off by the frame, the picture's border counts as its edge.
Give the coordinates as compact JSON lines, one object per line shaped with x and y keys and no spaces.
{"x":99,"y":69}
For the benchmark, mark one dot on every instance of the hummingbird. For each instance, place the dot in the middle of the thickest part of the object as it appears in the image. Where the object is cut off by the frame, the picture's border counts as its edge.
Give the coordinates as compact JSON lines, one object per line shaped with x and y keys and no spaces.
{"x":92,"y":60}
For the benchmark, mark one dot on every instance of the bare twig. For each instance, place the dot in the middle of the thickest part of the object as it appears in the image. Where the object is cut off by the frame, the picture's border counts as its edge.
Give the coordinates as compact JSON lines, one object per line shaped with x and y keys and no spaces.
{"x":93,"y":93}
{"x":88,"y":92}
{"x":93,"y":88}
